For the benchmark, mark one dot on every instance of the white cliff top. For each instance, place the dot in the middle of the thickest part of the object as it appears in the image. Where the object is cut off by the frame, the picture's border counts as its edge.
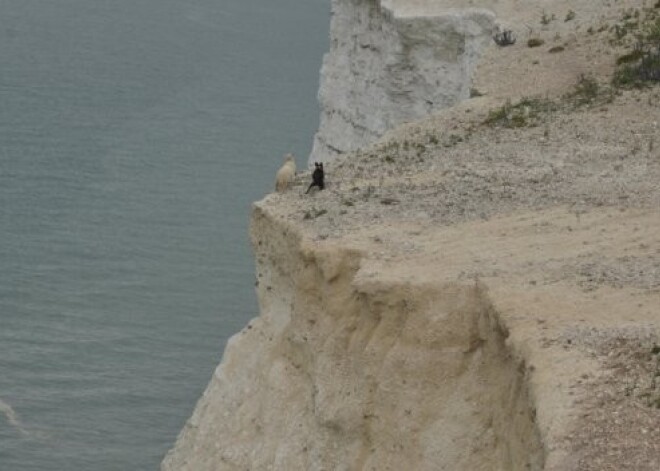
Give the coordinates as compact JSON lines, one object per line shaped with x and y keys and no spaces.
{"x":426,"y":8}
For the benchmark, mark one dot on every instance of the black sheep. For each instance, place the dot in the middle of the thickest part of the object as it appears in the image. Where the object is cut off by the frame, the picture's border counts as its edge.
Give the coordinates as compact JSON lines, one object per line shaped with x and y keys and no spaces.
{"x":317,"y":177}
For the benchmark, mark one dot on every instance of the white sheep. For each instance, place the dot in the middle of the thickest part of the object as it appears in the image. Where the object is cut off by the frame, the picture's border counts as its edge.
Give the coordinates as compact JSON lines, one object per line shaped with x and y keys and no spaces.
{"x":285,"y":174}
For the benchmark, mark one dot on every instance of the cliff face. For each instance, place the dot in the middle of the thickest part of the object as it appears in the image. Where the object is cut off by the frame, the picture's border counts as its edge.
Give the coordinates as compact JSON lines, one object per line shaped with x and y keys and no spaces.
{"x":389,"y":63}
{"x":478,"y":290}
{"x":344,"y":370}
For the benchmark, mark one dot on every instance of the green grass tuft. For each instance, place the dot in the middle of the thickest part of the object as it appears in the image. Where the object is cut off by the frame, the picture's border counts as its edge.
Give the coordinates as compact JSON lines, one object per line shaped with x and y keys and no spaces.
{"x":535,"y":42}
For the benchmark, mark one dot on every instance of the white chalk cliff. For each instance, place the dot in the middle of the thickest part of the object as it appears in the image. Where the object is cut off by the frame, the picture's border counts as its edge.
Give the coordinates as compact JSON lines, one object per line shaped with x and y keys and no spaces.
{"x":344,"y":370}
{"x":478,"y":290}
{"x":392,"y":62}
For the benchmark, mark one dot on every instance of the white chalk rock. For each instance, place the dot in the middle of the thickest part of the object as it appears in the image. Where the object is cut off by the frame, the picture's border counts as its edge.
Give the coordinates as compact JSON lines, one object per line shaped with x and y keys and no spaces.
{"x":392,"y":62}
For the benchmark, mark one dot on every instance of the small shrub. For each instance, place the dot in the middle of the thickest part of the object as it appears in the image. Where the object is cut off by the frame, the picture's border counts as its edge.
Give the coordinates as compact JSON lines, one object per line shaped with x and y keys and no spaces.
{"x":652,"y":31}
{"x":625,"y":76}
{"x":453,"y":140}
{"x":498,"y":116}
{"x":526,"y":112}
{"x":649,"y":67}
{"x":535,"y":42}
{"x":633,"y":56}
{"x":586,"y":90}
{"x":518,"y":120}
{"x":556,"y":49}
{"x":546,"y":19}
{"x":620,"y":32}
{"x":314,"y":213}
{"x":569,"y":16}
{"x":505,"y":38}
{"x":639,"y":67}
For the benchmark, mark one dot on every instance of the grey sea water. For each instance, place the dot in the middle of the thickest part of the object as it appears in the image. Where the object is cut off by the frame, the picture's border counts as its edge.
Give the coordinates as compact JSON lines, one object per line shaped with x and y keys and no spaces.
{"x":134,"y":135}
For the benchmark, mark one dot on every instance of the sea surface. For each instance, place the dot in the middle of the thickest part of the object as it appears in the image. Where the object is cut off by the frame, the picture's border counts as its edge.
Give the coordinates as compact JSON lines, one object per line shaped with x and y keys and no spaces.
{"x":134,"y":136}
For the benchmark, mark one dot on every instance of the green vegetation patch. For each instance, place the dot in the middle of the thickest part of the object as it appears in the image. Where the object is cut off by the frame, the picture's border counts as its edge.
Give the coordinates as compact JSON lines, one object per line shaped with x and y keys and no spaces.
{"x":588,"y":91}
{"x":546,"y":19}
{"x":641,"y":65}
{"x":635,"y":56}
{"x":527,"y":112}
{"x":535,"y":42}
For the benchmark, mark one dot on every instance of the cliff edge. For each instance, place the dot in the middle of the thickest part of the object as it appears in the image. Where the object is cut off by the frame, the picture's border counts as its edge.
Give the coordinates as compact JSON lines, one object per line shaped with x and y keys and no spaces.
{"x":477,"y":290}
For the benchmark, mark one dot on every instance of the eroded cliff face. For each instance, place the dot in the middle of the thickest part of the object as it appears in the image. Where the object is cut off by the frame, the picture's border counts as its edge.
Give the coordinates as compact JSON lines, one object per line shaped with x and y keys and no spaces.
{"x":344,"y":370}
{"x":391,"y":62}
{"x":466,"y":294}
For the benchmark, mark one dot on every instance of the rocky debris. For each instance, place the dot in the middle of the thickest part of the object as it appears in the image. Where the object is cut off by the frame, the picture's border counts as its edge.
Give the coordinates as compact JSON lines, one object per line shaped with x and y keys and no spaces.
{"x":620,"y":424}
{"x":640,"y":272}
{"x":582,"y":160}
